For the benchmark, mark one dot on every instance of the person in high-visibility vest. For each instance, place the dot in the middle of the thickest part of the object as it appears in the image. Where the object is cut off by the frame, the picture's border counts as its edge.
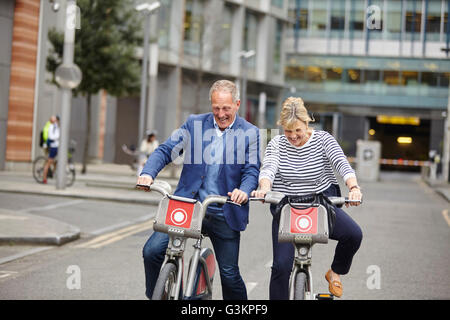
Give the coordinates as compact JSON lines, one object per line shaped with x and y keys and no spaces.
{"x":52,"y":141}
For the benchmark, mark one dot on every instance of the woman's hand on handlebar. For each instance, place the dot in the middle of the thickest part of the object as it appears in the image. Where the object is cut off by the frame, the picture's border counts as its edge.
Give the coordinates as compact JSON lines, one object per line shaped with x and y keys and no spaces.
{"x":144,"y":180}
{"x":259,"y":193}
{"x":354,"y":194}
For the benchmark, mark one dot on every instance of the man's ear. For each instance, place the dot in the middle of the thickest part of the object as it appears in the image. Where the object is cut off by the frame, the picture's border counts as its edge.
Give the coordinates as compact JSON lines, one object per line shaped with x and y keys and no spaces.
{"x":238,"y":103}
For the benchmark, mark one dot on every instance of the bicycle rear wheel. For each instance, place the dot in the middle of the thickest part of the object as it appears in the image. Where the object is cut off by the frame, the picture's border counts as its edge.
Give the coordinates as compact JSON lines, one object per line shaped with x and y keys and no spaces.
{"x":300,"y":286}
{"x":38,"y":169}
{"x":70,"y":174}
{"x":166,"y":283}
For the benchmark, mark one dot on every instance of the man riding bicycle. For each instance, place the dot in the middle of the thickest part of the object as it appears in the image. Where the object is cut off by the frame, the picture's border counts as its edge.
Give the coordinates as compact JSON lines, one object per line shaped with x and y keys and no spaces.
{"x":213,"y":164}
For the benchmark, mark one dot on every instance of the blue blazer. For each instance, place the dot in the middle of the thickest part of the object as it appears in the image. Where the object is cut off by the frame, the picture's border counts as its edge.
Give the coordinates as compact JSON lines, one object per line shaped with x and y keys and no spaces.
{"x":239,"y":168}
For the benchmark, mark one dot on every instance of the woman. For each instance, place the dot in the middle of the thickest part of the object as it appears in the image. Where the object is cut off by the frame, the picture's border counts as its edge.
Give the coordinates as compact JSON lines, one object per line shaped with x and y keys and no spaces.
{"x":301,"y":162}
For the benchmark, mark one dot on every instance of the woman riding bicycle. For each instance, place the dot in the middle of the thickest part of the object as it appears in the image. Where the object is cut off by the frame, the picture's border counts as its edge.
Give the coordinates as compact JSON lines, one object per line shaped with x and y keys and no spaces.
{"x":301,"y":162}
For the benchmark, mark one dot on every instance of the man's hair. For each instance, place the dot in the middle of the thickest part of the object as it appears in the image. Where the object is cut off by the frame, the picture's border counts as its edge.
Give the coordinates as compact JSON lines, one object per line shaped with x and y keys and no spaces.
{"x":227,"y":86}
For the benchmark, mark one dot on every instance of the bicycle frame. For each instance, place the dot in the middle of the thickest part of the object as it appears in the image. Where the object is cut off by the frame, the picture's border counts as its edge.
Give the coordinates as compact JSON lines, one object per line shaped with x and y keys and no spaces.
{"x":303,"y":235}
{"x":178,"y":236}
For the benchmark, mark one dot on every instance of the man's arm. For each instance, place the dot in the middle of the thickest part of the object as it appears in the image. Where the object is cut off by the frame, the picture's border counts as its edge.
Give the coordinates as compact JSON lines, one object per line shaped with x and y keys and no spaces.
{"x":164,"y":154}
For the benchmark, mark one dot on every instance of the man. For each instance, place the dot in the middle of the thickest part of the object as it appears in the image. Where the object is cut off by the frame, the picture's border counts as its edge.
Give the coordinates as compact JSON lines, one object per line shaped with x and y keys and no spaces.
{"x":52,"y":142}
{"x":221,"y":156}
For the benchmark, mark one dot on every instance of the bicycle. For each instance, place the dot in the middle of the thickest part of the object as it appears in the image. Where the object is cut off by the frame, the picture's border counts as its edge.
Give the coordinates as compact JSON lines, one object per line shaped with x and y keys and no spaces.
{"x":39,"y":164}
{"x":181,"y":218}
{"x":303,"y":224}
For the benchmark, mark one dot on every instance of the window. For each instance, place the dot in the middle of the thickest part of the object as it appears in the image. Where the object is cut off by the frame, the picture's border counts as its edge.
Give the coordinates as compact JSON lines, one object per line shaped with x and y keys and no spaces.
{"x":433,"y":24}
{"x":193,"y":27}
{"x":295,"y":73}
{"x":392,"y":78}
{"x":413,"y":19}
{"x":277,"y":3}
{"x":357,"y":18}
{"x":223,"y":41}
{"x":164,"y":23}
{"x":394,"y":19}
{"x":354,"y":76}
{"x":315,"y":74}
{"x":318,"y":18}
{"x":277,"y":49}
{"x":337,"y":18}
{"x":250,"y":32}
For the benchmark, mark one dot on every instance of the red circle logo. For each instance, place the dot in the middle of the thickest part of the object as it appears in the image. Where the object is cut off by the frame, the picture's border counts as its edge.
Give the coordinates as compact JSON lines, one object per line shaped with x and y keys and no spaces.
{"x":178,"y":216}
{"x":303,"y":223}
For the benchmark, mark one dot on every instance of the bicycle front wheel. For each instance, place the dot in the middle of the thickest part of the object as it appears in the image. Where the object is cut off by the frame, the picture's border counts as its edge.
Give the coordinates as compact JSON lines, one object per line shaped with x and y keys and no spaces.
{"x":166,"y":283}
{"x":300,"y":286}
{"x":38,"y":169}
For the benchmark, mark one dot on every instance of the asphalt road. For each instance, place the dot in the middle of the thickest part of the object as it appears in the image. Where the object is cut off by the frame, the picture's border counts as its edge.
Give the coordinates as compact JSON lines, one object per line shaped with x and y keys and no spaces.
{"x":404,"y":254}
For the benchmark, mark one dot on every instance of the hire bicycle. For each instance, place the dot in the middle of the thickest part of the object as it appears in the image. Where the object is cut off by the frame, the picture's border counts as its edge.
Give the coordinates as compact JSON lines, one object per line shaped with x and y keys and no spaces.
{"x":181,"y":218}
{"x":303,"y":224}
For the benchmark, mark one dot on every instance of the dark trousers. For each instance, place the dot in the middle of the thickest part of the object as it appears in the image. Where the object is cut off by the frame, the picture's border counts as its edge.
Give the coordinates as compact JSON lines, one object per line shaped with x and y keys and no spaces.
{"x":226,"y":248}
{"x":346,"y":232}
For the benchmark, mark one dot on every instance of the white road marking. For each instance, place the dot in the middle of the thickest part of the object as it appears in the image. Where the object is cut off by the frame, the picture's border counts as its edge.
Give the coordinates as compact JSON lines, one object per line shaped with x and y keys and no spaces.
{"x":446,"y":217}
{"x":4,"y":273}
{"x":53,"y":206}
{"x":7,"y":217}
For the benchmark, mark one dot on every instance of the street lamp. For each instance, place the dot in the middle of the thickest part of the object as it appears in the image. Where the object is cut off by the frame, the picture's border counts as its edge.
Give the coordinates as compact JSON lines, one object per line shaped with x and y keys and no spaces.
{"x":245,"y":55}
{"x":446,"y":148}
{"x":68,"y":76}
{"x":147,"y":9}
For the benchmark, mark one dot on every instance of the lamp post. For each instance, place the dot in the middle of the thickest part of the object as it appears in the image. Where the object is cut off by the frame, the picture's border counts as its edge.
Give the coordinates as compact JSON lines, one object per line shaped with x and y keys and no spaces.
{"x":68,"y":76}
{"x":245,"y":55}
{"x":446,"y":149}
{"x":147,"y":9}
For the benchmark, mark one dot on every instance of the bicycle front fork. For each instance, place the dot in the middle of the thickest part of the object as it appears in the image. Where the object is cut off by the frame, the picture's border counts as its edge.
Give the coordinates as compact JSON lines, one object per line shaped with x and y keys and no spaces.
{"x":302,"y":263}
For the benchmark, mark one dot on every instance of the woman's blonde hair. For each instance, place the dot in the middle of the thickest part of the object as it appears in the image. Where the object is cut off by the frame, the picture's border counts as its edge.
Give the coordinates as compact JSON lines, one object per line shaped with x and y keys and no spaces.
{"x":292,"y":110}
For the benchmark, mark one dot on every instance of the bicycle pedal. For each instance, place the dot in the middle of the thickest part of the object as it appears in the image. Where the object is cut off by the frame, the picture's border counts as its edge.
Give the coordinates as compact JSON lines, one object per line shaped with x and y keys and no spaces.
{"x":324,"y":296}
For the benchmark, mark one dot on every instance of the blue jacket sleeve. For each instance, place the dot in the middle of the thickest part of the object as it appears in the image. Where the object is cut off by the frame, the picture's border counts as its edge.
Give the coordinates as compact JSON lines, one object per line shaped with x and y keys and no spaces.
{"x":168,"y":151}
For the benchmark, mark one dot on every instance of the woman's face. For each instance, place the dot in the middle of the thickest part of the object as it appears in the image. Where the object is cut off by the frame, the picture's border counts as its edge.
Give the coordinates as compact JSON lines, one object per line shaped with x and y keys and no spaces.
{"x":297,"y":133}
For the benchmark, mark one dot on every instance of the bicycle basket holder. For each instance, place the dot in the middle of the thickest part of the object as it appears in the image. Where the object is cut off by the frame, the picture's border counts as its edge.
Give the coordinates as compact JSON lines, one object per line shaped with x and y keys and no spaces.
{"x":303,"y":223}
{"x":178,"y":215}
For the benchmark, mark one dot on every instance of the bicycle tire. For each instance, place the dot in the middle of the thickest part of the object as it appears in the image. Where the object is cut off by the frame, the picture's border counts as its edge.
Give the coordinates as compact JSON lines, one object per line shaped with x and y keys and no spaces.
{"x":70,"y":177}
{"x":38,"y":169}
{"x":166,"y":282}
{"x":300,"y":286}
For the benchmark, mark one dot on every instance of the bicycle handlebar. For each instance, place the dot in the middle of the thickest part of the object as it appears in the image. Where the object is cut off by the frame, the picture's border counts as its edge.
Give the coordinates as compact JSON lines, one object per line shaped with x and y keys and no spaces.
{"x":274,"y":197}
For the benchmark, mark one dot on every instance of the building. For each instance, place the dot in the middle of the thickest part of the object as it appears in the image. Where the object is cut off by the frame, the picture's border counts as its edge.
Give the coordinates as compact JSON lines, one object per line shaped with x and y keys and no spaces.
{"x":373,"y":70}
{"x":200,"y":41}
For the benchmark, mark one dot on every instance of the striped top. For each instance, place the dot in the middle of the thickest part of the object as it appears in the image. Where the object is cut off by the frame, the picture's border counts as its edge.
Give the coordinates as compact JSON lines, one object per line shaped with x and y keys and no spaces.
{"x":307,"y":169}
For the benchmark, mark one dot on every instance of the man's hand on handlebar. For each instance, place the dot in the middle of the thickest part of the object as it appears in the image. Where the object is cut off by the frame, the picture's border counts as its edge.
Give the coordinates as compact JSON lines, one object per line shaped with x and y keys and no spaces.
{"x":142,"y":181}
{"x":238,"y":196}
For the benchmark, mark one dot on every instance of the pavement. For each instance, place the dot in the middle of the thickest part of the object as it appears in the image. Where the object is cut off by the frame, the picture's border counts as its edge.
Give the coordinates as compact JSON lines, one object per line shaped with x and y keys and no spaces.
{"x":108,"y":182}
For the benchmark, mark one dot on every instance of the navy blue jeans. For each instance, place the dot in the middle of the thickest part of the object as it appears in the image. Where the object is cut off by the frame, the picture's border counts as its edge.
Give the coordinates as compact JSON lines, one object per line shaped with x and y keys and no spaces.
{"x":346,"y":231}
{"x":226,"y":248}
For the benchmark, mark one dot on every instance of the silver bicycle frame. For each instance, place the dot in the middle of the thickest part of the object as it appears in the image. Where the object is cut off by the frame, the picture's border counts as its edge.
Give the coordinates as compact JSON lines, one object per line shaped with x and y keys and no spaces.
{"x":175,"y":253}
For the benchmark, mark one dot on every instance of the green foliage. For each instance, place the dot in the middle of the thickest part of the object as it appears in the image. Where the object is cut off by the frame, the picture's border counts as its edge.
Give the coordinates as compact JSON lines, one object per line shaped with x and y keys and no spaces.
{"x":105,"y":47}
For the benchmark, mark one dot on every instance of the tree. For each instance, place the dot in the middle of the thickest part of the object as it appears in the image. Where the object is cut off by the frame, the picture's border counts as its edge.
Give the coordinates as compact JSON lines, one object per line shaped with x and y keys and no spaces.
{"x":105,"y":51}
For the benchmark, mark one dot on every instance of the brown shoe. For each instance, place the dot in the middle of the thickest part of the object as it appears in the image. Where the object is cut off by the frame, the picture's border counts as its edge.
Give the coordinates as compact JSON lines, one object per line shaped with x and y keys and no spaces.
{"x":335,"y":287}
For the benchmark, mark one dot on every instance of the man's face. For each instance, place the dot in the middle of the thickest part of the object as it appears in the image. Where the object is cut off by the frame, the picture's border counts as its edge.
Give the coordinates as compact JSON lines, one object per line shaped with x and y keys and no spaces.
{"x":52,"y":119}
{"x":223,"y":108}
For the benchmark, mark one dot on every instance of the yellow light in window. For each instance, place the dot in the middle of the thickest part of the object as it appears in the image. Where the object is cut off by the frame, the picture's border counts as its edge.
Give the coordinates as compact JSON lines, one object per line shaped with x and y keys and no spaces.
{"x":372,"y":132}
{"x":404,"y":140}
{"x":412,"y":121}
